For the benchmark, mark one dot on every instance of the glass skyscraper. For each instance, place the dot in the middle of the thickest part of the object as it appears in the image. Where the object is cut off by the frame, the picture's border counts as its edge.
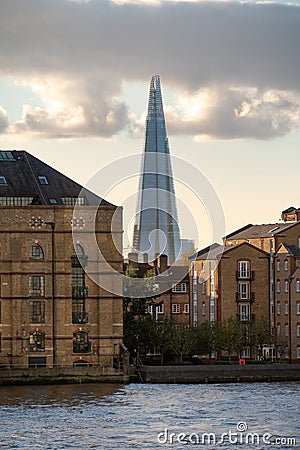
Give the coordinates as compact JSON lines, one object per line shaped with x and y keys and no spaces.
{"x":156,"y":229}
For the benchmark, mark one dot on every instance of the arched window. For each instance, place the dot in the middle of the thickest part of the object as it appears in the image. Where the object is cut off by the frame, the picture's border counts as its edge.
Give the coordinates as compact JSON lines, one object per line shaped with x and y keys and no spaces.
{"x":36,"y":252}
{"x":37,"y":342}
{"x":81,"y":343}
{"x":278,"y":265}
{"x":78,"y":257}
{"x":286,"y":265}
{"x":297,"y":285}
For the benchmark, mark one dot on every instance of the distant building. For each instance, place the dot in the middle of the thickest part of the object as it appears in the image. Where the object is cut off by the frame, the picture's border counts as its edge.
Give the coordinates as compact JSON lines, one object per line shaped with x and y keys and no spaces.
{"x":157,"y":219}
{"x":51,"y":312}
{"x":169,"y":299}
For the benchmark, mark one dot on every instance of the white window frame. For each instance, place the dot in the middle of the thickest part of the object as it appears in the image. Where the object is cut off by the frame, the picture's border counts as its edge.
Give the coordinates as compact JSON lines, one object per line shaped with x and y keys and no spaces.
{"x":286,"y":265}
{"x":244,"y":311}
{"x":278,"y":265}
{"x":175,"y":308}
{"x":298,"y":308}
{"x":244,"y":269}
{"x":180,"y":287}
{"x":203,"y":309}
{"x":298,"y":330}
{"x":186,"y":308}
{"x":160,"y":309}
{"x":297,"y":285}
{"x":298,"y":352}
{"x":278,"y":329}
{"x":278,"y":286}
{"x":286,"y":308}
{"x":278,"y":308}
{"x":286,"y":327}
{"x":244,"y":290}
{"x":286,"y":286}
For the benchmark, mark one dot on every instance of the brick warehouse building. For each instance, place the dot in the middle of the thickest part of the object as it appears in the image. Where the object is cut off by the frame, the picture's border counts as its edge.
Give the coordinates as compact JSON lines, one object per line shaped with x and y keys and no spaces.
{"x":254,"y":275}
{"x":51,"y":312}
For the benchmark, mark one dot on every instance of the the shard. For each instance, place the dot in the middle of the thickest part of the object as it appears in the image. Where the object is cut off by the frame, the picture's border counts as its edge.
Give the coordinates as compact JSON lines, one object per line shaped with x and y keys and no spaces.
{"x":156,"y":228}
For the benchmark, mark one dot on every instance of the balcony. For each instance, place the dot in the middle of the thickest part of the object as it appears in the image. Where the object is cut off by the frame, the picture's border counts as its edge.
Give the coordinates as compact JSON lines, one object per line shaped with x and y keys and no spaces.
{"x":245,"y":296}
{"x":245,"y":317}
{"x":79,"y":291}
{"x":245,"y":275}
{"x":80,"y":317}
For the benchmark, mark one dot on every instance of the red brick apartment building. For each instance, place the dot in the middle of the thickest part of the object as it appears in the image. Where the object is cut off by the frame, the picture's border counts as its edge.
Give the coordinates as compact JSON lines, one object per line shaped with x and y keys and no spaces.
{"x":254,"y":275}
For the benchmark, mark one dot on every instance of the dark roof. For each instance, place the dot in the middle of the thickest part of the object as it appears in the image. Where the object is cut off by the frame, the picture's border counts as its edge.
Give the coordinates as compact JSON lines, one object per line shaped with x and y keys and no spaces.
{"x":293,"y":250}
{"x":22,"y":171}
{"x":212,"y":251}
{"x":259,"y":231}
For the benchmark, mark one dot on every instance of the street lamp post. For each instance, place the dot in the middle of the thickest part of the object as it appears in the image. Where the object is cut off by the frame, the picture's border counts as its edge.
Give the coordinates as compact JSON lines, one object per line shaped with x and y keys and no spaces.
{"x":52,"y":224}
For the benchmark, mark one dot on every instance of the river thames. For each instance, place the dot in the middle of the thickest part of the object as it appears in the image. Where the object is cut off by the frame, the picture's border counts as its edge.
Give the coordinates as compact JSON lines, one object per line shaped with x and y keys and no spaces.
{"x":134,"y":416}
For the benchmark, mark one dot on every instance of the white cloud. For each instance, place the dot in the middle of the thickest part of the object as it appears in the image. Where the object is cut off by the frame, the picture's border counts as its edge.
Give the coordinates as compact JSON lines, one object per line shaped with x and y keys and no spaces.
{"x":235,"y":66}
{"x":235,"y":113}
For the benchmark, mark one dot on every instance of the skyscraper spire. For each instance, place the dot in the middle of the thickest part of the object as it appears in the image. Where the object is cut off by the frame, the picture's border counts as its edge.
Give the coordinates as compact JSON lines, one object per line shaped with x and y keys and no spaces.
{"x":156,"y":230}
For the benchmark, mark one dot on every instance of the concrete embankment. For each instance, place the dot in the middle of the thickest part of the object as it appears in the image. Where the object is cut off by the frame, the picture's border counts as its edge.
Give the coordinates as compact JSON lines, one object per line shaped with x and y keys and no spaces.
{"x":61,"y":375}
{"x":219,"y":373}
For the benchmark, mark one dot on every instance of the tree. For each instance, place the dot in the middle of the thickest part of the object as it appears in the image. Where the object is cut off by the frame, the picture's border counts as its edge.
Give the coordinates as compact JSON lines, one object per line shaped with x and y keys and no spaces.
{"x":205,"y":339}
{"x":182,"y":338}
{"x":230,"y":336}
{"x":260,"y":336}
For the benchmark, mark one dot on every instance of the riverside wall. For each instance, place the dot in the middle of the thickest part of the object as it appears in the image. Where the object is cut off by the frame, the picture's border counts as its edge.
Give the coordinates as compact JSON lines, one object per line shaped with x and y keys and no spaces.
{"x":61,"y":375}
{"x":219,"y":374}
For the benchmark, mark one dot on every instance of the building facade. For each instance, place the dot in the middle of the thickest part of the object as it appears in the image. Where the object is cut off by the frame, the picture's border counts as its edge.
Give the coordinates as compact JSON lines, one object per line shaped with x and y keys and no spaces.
{"x":52,"y":312}
{"x":253,"y":276}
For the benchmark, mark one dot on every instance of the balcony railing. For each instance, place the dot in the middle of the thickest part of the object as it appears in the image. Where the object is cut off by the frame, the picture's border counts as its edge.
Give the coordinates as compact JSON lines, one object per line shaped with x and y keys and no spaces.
{"x":245,"y":317}
{"x":245,"y":275}
{"x":80,"y":317}
{"x":79,"y":291}
{"x":245,"y":296}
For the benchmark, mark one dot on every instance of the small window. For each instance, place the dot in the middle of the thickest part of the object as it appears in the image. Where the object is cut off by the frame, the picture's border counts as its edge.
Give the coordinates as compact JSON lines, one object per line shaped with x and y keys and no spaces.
{"x":298,"y":330}
{"x":286,"y":265}
{"x":37,"y":342}
{"x":180,"y":287}
{"x":278,"y":308}
{"x":203,"y":309}
{"x":43,"y":180}
{"x":3,"y":180}
{"x":278,"y":286}
{"x":36,"y":252}
{"x":278,"y":330}
{"x":160,"y":309}
{"x":298,"y":352}
{"x":175,"y":308}
{"x":286,"y":286}
{"x":298,"y":309}
{"x":36,"y":286}
{"x":52,"y":201}
{"x":286,"y":330}
{"x":298,"y":286}
{"x":286,"y":308}
{"x":186,"y":308}
{"x":278,"y":265}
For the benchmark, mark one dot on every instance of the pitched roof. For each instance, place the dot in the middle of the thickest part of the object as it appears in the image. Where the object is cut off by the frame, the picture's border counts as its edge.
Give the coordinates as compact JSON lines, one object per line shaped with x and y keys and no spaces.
{"x":292,"y":249}
{"x":259,"y":231}
{"x":211,"y":252}
{"x":27,"y":176}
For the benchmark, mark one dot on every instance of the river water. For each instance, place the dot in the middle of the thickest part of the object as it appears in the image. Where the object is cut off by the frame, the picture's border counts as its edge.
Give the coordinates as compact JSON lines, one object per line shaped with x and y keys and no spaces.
{"x":144,"y":416}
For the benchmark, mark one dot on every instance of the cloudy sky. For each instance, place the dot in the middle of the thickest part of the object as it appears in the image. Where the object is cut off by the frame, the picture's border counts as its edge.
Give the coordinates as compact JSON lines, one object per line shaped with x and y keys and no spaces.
{"x":74,"y":78}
